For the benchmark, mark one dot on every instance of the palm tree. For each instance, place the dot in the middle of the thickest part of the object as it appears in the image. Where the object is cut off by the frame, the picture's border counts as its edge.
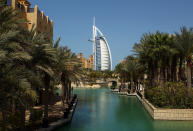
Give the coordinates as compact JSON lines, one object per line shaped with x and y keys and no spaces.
{"x":28,"y":61}
{"x":69,"y":70}
{"x":157,"y":51}
{"x":44,"y":59}
{"x":14,"y":76}
{"x":42,"y":63}
{"x":148,"y":58}
{"x":120,"y":69}
{"x":130,"y":71}
{"x":131,"y":67}
{"x":161,"y":49}
{"x":184,"y":43}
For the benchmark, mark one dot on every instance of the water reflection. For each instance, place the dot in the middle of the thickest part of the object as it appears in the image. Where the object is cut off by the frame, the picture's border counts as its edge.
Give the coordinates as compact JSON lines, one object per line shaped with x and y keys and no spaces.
{"x":173,"y":125}
{"x":100,"y":110}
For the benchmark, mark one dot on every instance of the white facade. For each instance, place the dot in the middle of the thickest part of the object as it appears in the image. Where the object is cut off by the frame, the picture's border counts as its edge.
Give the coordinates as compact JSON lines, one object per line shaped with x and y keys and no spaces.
{"x":101,"y":51}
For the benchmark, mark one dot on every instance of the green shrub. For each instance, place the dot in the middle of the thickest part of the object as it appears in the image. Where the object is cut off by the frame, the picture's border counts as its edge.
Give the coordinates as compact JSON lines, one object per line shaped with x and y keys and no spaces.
{"x":14,"y":120}
{"x":173,"y":95}
{"x":36,"y":114}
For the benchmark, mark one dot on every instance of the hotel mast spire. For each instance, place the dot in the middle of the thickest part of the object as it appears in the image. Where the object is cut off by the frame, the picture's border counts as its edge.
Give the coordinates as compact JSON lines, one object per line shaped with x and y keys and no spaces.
{"x":94,"y":44}
{"x":94,"y":20}
{"x":101,"y":51}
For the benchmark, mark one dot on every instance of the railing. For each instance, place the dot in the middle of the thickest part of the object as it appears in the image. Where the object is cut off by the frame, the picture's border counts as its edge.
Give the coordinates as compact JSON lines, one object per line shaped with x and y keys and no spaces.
{"x":139,"y":94}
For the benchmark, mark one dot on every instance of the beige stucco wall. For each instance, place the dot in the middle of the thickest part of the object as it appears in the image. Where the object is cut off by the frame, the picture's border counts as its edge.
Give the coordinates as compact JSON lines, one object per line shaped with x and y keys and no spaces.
{"x":41,"y":22}
{"x":167,"y":114}
{"x":32,"y":18}
{"x":37,"y":18}
{"x":86,"y":63}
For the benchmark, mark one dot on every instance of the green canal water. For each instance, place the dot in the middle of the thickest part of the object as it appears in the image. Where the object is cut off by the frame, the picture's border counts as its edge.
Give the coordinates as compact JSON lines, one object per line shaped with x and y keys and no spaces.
{"x":101,"y":110}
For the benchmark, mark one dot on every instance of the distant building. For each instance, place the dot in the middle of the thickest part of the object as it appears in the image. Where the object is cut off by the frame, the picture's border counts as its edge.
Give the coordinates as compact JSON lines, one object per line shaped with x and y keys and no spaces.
{"x":122,"y":61}
{"x":86,"y":63}
{"x":34,"y":16}
{"x":101,"y":51}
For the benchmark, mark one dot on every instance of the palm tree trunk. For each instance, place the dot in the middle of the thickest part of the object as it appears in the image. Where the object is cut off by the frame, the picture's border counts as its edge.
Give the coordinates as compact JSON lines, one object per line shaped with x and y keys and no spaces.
{"x":66,"y":91}
{"x":4,"y":122}
{"x":150,"y":73}
{"x":63,"y":80}
{"x":180,"y":70}
{"x":174,"y":74}
{"x":131,"y":84}
{"x":63,"y":94}
{"x":22,"y":122}
{"x":155,"y":78}
{"x":174,"y":70}
{"x":13,"y":106}
{"x":69,"y":89}
{"x":158,"y":74}
{"x":47,"y":85}
{"x":188,"y":71}
{"x":162,"y":71}
{"x":168,"y":73}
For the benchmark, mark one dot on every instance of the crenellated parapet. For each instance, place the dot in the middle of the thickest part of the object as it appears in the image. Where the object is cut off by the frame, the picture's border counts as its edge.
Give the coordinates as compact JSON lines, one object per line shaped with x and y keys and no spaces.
{"x":34,"y":17}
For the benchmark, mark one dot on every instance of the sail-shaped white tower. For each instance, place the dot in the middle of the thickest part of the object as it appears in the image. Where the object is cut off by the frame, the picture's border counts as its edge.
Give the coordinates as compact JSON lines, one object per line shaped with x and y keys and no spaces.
{"x":101,"y":51}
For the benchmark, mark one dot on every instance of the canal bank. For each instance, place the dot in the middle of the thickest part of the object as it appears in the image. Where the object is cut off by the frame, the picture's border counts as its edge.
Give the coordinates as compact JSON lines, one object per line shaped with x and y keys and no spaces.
{"x":99,"y":109}
{"x":64,"y":119}
{"x":161,"y":113}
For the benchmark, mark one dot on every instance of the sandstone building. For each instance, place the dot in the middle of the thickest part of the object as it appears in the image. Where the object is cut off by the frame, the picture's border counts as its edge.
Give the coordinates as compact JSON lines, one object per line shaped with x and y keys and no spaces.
{"x":34,"y":17}
{"x":86,"y":63}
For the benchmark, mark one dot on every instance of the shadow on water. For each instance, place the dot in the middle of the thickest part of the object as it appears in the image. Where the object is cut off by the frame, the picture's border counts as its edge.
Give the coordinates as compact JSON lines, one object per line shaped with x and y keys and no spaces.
{"x":99,"y":110}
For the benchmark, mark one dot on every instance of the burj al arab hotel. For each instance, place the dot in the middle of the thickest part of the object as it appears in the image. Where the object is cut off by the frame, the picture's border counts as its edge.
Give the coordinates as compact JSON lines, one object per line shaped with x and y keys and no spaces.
{"x":101,"y":51}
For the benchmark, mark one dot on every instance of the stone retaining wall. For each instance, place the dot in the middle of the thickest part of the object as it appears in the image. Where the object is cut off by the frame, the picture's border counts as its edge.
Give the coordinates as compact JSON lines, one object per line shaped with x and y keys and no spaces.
{"x":163,"y":113}
{"x":167,"y":114}
{"x":150,"y":108}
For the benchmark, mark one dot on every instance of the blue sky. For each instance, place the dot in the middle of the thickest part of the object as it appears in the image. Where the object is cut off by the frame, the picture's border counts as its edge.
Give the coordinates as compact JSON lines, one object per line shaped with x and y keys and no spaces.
{"x":123,"y":22}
